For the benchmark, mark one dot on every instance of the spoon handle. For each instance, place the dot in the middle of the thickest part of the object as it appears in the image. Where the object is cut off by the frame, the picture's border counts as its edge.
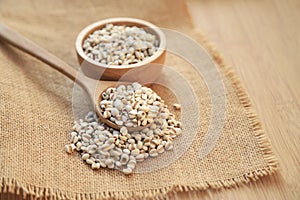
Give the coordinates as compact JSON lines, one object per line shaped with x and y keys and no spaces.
{"x":22,"y":43}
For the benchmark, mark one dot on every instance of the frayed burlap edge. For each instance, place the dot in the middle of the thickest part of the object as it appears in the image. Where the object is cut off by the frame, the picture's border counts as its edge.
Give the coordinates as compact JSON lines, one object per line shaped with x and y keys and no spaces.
{"x":28,"y":190}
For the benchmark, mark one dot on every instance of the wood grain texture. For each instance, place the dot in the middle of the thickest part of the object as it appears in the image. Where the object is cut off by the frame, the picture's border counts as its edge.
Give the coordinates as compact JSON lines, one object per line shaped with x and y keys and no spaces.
{"x":261,"y":41}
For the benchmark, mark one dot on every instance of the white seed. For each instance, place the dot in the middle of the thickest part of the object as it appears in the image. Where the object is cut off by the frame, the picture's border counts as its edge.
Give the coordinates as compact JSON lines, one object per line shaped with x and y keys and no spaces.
{"x":152,"y":145}
{"x":126,"y":151}
{"x":141,"y":114}
{"x":114,"y":112}
{"x":95,"y":165}
{"x":124,"y":159}
{"x":89,"y":131}
{"x":128,"y":108}
{"x":73,"y":134}
{"x":114,"y":153}
{"x":178,"y":130}
{"x":146,"y":155}
{"x":92,"y":149}
{"x":102,"y":138}
{"x":160,"y":149}
{"x":124,"y":118}
{"x":131,"y":141}
{"x":145,"y":148}
{"x":76,"y":127}
{"x":129,"y":124}
{"x":118,"y":164}
{"x":105,"y":95}
{"x":156,"y":141}
{"x":123,"y":130}
{"x":168,"y":146}
{"x":104,"y":154}
{"x":131,"y":164}
{"x":132,"y":158}
{"x":136,"y":85}
{"x":83,"y":148}
{"x":164,"y":115}
{"x":86,"y":137}
{"x":78,"y":145}
{"x":119,"y":122}
{"x":138,"y":137}
{"x":135,"y":152}
{"x":144,"y":122}
{"x":127,"y":170}
{"x":102,"y":163}
{"x":140,"y":145}
{"x":85,"y":156}
{"x":149,"y":133}
{"x":131,"y":146}
{"x":89,"y":161}
{"x":97,"y":156}
{"x":132,"y":113}
{"x":110,"y":90}
{"x":140,"y":157}
{"x":106,"y":114}
{"x":118,"y":104}
{"x":107,"y":147}
{"x":84,"y":124}
{"x":109,"y":162}
{"x":111,"y":166}
{"x":123,"y":138}
{"x":75,"y":139}
{"x":153,"y":153}
{"x":110,"y":140}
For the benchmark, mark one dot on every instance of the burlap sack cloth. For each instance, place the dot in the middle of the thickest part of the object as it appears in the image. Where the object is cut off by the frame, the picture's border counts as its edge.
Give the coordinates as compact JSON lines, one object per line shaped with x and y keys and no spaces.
{"x":36,"y":116}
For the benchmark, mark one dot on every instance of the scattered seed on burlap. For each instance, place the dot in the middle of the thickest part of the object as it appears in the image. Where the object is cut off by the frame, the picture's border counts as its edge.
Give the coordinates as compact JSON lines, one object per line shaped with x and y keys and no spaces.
{"x":177,"y":106}
{"x":120,"y":45}
{"x":103,"y":147}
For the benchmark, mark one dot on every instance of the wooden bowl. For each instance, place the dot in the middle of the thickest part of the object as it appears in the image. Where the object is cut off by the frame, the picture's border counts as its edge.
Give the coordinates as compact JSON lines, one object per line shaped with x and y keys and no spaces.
{"x":150,"y":67}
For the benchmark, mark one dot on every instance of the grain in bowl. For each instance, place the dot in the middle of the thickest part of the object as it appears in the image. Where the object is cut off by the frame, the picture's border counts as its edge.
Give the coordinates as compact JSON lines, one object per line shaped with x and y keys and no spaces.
{"x":120,"y":45}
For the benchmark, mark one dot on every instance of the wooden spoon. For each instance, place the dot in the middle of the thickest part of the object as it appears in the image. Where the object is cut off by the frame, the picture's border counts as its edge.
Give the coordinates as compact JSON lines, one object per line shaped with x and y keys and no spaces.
{"x":92,"y":87}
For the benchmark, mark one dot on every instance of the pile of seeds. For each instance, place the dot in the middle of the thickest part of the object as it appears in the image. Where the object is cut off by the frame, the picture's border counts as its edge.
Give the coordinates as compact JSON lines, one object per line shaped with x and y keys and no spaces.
{"x":104,"y":147}
{"x":120,"y":45}
{"x":132,"y":105}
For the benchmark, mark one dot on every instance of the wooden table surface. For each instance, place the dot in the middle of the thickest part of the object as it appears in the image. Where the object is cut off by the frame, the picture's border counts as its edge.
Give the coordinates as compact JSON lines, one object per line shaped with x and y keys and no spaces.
{"x":261,"y":41}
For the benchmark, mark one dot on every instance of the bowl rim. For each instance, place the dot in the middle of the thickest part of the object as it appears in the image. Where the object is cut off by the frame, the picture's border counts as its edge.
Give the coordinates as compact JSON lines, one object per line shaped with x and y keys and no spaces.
{"x":160,"y":50}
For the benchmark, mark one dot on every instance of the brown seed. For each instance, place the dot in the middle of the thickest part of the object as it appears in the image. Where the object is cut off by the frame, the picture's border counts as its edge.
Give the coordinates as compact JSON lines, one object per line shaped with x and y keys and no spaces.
{"x":68,"y":149}
{"x":177,"y":106}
